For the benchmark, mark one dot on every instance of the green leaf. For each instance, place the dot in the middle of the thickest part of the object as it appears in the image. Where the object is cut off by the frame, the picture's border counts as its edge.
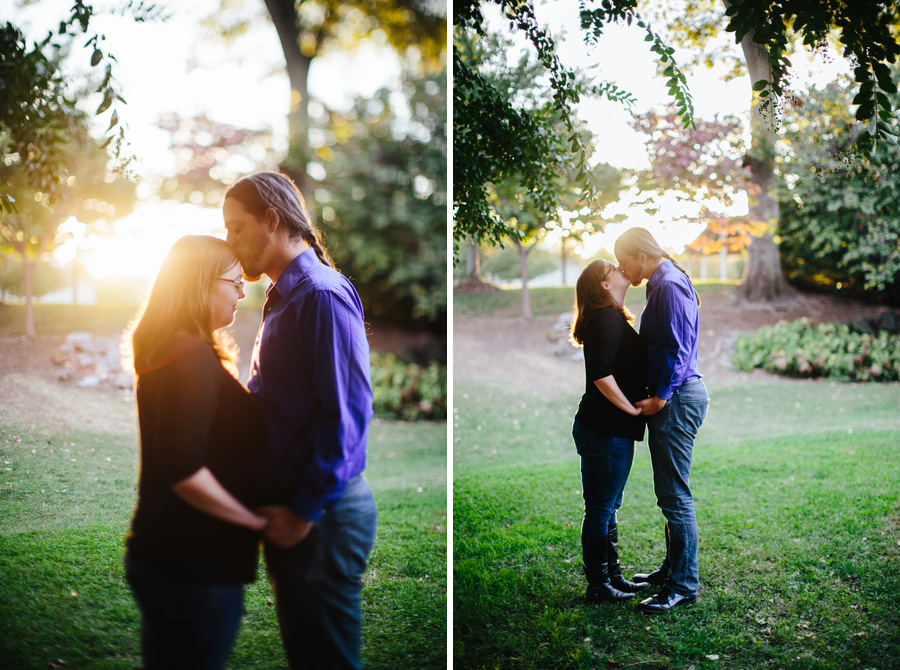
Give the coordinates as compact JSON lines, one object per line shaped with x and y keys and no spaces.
{"x":760,"y":85}
{"x":865,"y":111}
{"x":97,"y":57}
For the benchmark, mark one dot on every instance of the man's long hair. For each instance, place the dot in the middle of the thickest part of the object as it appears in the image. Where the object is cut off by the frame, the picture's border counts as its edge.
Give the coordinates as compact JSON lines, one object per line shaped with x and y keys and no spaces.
{"x":591,"y":296}
{"x":636,"y":241}
{"x":263,"y":190}
{"x":177,"y":307}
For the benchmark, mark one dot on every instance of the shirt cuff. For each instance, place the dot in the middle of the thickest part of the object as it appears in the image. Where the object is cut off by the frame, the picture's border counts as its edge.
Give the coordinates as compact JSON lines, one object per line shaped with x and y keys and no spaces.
{"x":313,"y":508}
{"x":664,"y":392}
{"x":305,"y":508}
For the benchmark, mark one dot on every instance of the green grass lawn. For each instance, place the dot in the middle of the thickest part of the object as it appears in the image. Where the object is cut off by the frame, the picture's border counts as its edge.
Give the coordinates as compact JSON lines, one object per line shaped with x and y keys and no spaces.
{"x":65,"y":506}
{"x":797,"y":491}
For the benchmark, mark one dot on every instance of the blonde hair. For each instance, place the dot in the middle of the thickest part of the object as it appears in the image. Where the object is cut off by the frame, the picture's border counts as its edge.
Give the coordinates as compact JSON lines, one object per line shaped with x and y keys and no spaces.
{"x":178,"y":305}
{"x":591,"y":296}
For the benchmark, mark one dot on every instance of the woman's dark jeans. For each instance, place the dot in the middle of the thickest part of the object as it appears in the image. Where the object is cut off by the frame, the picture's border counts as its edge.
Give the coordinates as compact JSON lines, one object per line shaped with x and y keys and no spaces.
{"x":184,"y":626}
{"x":605,"y":465}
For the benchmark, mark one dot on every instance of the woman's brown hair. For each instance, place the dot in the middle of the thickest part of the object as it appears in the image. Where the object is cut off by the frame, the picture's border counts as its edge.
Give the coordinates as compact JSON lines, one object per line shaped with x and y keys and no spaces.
{"x":591,"y":296}
{"x":177,"y":308}
{"x":635,"y":241}
{"x":264,"y":190}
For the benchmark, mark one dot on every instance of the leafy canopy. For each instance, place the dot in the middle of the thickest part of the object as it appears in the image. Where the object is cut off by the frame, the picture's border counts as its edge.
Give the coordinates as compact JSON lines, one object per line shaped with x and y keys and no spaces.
{"x":491,"y":134}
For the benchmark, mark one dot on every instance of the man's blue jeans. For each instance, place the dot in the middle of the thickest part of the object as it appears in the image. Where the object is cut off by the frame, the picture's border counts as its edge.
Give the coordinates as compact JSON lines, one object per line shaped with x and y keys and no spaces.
{"x":318,"y":583}
{"x":671,"y":440}
{"x":605,"y":465}
{"x":184,"y":626}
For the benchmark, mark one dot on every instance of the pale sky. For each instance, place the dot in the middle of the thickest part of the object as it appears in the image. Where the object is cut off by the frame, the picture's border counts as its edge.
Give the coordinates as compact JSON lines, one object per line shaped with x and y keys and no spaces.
{"x":624,"y":58}
{"x":176,"y":66}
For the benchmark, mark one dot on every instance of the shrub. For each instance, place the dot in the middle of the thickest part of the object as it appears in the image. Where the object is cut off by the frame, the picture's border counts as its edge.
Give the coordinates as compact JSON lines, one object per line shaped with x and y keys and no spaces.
{"x":407,"y":391}
{"x":830,"y":350}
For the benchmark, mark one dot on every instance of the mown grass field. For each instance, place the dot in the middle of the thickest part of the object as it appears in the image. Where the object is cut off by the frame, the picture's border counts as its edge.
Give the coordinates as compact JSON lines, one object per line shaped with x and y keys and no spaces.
{"x":797,"y":490}
{"x":68,"y":460}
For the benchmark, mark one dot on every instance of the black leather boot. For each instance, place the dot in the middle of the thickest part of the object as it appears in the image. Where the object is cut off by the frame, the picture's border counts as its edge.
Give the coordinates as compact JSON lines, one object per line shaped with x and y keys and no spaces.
{"x":658,"y":576}
{"x":614,"y":570}
{"x":595,"y":560}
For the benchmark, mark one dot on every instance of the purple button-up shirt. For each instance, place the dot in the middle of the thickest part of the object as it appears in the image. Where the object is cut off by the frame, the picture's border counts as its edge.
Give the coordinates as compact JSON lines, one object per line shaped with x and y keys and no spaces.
{"x":310,"y":371}
{"x":670,"y":326}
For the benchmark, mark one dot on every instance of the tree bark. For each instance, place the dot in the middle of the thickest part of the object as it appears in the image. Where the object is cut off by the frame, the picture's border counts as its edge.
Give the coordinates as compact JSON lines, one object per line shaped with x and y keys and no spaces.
{"x":564,"y":240}
{"x":28,"y":274}
{"x":284,"y":17}
{"x":473,"y":261}
{"x":76,"y":276}
{"x":763,"y":279}
{"x":527,"y":314}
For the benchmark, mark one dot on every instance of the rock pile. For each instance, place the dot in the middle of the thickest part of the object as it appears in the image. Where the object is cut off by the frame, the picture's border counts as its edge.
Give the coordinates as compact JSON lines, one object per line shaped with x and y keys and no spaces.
{"x":92,"y":361}
{"x":558,"y":336}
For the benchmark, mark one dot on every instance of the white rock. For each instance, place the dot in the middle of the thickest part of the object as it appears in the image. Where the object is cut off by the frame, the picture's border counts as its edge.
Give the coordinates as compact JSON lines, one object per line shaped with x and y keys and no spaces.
{"x":80,"y":340}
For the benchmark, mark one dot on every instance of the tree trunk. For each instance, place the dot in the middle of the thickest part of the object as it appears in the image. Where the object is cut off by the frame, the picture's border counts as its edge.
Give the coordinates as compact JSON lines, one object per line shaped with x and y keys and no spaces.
{"x":723,"y":264}
{"x":28,"y":273}
{"x":473,"y":261}
{"x":763,"y":279}
{"x":284,"y":17}
{"x":564,"y":239}
{"x":527,"y":314}
{"x":76,"y":276}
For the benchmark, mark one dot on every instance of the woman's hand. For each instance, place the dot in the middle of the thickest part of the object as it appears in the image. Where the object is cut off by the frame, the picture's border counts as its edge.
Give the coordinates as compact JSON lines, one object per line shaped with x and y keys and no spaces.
{"x":651,"y":406}
{"x":285,"y":528}
{"x":611,"y":391}
{"x":259,"y":523}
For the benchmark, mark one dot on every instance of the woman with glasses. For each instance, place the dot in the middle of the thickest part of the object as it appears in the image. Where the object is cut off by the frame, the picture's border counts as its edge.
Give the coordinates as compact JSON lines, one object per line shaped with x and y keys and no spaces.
{"x":607,"y":422}
{"x":194,"y":539}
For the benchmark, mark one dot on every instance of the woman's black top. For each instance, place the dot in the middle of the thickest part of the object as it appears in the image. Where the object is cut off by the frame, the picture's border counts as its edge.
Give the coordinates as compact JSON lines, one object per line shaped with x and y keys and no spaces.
{"x":612,"y":347}
{"x":192,"y":414}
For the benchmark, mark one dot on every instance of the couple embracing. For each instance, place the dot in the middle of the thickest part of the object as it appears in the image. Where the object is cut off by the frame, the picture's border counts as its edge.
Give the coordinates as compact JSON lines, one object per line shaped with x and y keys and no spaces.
{"x":225,"y":466}
{"x":635,"y":380}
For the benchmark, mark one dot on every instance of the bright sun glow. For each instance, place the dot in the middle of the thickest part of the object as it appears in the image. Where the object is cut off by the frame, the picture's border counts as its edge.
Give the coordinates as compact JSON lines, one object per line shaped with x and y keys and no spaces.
{"x":141,"y":240}
{"x":242,"y":84}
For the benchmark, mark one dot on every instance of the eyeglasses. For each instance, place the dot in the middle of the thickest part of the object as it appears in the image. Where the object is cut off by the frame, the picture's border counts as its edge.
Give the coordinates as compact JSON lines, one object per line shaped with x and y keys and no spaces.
{"x":237,"y":283}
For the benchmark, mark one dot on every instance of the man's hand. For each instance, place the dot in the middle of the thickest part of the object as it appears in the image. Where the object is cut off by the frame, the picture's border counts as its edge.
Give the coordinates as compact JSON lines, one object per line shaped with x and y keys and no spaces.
{"x":285,"y":529}
{"x":650,"y":406}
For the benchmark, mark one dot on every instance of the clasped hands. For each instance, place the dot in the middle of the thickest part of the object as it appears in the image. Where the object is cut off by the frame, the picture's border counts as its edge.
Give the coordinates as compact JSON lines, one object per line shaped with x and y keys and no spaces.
{"x":284,"y":528}
{"x":650,"y":406}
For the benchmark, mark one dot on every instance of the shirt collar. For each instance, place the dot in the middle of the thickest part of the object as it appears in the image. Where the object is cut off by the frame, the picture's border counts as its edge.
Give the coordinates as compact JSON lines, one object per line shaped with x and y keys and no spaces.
{"x":664,"y":269}
{"x":293,"y":273}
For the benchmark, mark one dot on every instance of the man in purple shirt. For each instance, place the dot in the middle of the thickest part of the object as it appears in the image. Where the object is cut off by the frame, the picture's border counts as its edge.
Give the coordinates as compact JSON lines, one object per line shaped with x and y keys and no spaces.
{"x":310,"y":372}
{"x":679,"y":402}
